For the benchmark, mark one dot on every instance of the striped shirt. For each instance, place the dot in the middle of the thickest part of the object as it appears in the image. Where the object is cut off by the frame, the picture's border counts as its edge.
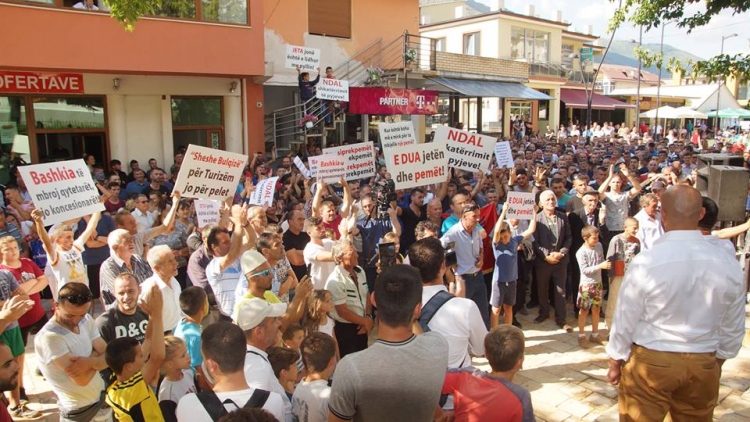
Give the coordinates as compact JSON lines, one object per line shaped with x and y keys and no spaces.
{"x":114,"y":266}
{"x":134,"y":400}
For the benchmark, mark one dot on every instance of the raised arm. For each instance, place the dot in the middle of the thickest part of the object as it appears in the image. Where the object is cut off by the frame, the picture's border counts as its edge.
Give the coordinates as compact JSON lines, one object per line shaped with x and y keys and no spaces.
{"x":532,"y":227}
{"x":168,"y":223}
{"x":633,"y":180}
{"x":603,"y":187}
{"x":235,"y":250}
{"x":47,"y":243}
{"x":348,"y":200}
{"x":496,"y":230}
{"x":394,"y":220}
{"x":155,"y":333}
{"x":318,"y":198}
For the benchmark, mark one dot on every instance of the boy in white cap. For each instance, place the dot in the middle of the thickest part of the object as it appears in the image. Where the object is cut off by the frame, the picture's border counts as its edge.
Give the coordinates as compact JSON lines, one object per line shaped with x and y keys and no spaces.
{"x":259,"y":319}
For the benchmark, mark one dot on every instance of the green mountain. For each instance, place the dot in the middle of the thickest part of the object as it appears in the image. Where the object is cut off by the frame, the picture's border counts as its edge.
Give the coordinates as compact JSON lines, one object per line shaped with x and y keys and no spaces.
{"x":622,"y":53}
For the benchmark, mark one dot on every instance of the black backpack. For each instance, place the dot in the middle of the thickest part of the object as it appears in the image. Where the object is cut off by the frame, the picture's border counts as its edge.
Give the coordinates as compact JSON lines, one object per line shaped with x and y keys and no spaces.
{"x":431,"y":307}
{"x":215,"y":407}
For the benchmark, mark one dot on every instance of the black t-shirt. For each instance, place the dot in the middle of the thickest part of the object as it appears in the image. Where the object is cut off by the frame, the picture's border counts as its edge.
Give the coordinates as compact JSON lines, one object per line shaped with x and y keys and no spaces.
{"x":114,"y":324}
{"x":298,"y":242}
{"x":574,"y":203}
{"x":148,"y":189}
{"x":409,"y":222}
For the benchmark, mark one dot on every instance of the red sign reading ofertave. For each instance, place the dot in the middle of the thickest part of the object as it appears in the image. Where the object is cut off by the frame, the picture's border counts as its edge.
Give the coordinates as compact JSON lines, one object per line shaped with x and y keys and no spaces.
{"x":392,"y":101}
{"x":52,"y":83}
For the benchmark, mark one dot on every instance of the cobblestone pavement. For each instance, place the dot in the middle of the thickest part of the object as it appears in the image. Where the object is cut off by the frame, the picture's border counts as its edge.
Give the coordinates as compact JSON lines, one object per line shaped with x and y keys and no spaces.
{"x":567,"y":383}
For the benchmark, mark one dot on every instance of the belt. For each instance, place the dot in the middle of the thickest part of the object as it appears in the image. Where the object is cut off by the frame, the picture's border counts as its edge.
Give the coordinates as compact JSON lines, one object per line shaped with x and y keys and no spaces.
{"x":469,"y":274}
{"x":675,"y":353}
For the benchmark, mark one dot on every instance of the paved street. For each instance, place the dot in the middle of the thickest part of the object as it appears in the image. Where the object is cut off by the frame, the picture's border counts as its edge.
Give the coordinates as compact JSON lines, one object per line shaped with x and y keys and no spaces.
{"x":567,"y":383}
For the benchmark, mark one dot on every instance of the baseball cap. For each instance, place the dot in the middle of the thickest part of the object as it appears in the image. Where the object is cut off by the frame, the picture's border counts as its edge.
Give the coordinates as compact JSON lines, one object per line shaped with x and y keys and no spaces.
{"x":251,"y":260}
{"x":252,"y":312}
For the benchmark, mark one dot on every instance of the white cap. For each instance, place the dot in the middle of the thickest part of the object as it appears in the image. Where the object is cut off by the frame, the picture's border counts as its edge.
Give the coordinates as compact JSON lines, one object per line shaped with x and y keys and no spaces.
{"x":251,"y":260}
{"x":252,"y":312}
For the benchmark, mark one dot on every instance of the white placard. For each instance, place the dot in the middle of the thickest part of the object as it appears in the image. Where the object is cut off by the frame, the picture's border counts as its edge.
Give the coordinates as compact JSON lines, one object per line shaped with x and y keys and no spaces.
{"x":329,"y":168}
{"x":332,"y":89}
{"x":8,"y":131}
{"x":504,"y":155}
{"x":394,"y":135}
{"x":263,"y":193}
{"x":61,"y":191}
{"x":521,"y":205}
{"x":303,"y":57}
{"x":209,"y":173}
{"x":207,"y":211}
{"x":359,"y":159}
{"x":302,"y":168}
{"x":466,"y":151}
{"x":418,"y":165}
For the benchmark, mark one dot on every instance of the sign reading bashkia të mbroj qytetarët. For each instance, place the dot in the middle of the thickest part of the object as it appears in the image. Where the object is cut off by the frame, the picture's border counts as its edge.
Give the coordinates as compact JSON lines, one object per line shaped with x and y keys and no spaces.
{"x":209,"y":173}
{"x":61,"y":190}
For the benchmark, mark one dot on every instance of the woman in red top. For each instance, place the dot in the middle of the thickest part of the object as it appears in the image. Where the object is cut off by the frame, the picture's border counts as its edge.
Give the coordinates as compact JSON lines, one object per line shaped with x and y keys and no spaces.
{"x":25,"y":271}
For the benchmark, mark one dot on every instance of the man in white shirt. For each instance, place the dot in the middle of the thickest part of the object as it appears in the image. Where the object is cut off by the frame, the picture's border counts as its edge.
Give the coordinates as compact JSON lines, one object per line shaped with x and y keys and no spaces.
{"x":223,"y":358}
{"x":162,"y":261}
{"x":143,"y":217}
{"x":649,"y":221}
{"x":680,"y":314}
{"x":260,"y":322}
{"x":317,"y":253}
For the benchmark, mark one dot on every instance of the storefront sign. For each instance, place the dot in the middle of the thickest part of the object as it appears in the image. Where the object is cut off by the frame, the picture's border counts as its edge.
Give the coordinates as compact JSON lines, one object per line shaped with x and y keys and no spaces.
{"x":53,"y":83}
{"x":263,"y":193}
{"x":209,"y":173}
{"x":418,"y":165}
{"x":303,"y":57}
{"x":359,"y":159}
{"x":327,"y":167}
{"x":521,"y":205}
{"x":504,"y":155}
{"x":388,"y":101}
{"x":61,"y":190}
{"x":207,"y":211}
{"x":466,"y":151}
{"x":332,"y":89}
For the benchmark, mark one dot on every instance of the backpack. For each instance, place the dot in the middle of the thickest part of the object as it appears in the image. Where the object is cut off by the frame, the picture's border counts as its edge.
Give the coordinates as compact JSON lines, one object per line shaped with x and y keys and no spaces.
{"x":215,"y":407}
{"x":431,"y":307}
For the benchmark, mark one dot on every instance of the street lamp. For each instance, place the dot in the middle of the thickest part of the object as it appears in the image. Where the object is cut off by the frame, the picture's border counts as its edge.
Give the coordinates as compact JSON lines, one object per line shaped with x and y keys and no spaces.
{"x":638,"y":88}
{"x":718,"y":90}
{"x":658,"y":87}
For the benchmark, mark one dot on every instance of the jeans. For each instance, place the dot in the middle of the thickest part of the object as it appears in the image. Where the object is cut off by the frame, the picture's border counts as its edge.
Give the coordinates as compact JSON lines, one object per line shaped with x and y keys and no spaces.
{"x":477,"y":292}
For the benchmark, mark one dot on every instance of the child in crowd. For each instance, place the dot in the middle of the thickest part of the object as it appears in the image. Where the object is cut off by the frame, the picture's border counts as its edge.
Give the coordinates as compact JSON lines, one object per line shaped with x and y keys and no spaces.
{"x":284,"y":364}
{"x":310,"y":399}
{"x":504,"y":278}
{"x":622,"y":249}
{"x":392,"y":237}
{"x":177,"y":371}
{"x":194,"y":304}
{"x":292,"y":338}
{"x":591,"y":262}
{"x":319,"y":306}
{"x":132,"y":396}
{"x":480,"y":396}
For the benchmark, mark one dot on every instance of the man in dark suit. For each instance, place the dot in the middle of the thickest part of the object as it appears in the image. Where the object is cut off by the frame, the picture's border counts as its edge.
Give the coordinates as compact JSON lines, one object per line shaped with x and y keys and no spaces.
{"x":589,"y":215}
{"x":552,"y":242}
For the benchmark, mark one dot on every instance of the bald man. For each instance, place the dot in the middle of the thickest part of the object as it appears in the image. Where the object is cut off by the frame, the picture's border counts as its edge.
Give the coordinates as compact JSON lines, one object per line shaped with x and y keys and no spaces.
{"x":680,"y":314}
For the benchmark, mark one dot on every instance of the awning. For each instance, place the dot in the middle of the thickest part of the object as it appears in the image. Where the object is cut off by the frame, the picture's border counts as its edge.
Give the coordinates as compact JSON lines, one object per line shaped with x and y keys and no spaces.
{"x":576,"y":98}
{"x":475,"y":88}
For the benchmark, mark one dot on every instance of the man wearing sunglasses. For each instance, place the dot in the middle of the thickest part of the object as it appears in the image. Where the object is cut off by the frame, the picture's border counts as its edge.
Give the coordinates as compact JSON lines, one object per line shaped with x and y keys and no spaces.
{"x":71,"y":352}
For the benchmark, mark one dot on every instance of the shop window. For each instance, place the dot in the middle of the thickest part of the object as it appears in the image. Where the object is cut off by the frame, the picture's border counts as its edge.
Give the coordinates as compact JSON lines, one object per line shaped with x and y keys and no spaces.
{"x":62,"y":113}
{"x":226,"y":11}
{"x":198,"y":121}
{"x":14,"y":139}
{"x":471,"y":44}
{"x":332,"y":18}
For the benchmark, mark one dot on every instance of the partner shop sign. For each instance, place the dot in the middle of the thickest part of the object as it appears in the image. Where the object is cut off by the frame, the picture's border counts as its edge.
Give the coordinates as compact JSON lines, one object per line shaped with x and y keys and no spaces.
{"x":388,"y":101}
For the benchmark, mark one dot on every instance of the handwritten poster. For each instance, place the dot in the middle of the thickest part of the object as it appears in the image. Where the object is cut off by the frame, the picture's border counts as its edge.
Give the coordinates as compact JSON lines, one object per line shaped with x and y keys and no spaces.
{"x":466,"y":151}
{"x":209,"y":173}
{"x":207,"y":211}
{"x":263,"y":193}
{"x":418,"y":165}
{"x":504,"y":155}
{"x":303,"y":57}
{"x":332,"y":89}
{"x":521,"y":205}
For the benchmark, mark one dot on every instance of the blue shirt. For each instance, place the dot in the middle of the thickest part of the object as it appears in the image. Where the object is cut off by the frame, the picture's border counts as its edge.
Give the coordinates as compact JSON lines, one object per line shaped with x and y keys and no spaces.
{"x":190,"y":333}
{"x":134,"y":188}
{"x":467,"y":246}
{"x":96,"y":256}
{"x":372,"y":231}
{"x":506,"y":262}
{"x":451,"y":221}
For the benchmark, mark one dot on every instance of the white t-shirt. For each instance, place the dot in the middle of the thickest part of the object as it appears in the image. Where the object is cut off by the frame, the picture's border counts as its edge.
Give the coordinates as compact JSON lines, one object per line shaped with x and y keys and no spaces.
{"x":328,"y":327}
{"x":259,"y":374}
{"x":190,"y":408}
{"x":54,"y":341}
{"x":310,"y":401}
{"x":224,"y":283}
{"x":67,"y":266}
{"x":175,"y":390}
{"x":170,"y":296}
{"x":320,"y":270}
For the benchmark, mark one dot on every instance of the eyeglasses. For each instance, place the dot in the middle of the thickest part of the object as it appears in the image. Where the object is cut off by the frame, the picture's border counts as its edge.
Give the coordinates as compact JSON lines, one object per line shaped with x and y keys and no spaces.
{"x":470,"y":208}
{"x":77,"y":299}
{"x":263,"y":273}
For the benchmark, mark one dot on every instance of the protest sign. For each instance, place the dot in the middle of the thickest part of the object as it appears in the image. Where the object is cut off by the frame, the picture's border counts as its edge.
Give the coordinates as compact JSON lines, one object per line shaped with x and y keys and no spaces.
{"x":263,"y":193}
{"x":418,"y":165}
{"x":61,"y":190}
{"x":303,"y":57}
{"x":207,"y":211}
{"x":504,"y":155}
{"x":521,"y":205}
{"x":359,"y":159}
{"x":209,"y":173}
{"x":328,"y":167}
{"x":302,"y":168}
{"x":466,"y":151}
{"x":394,"y":135}
{"x":332,"y":89}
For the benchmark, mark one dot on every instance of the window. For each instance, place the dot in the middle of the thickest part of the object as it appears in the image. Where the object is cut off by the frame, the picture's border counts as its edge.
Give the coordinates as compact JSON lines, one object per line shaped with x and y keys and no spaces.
{"x":332,"y":18}
{"x":440,"y":44}
{"x":521,"y":108}
{"x":529,"y":44}
{"x":543,"y":106}
{"x":471,"y":44}
{"x":14,"y":139}
{"x":198,"y":121}
{"x":177,"y":9}
{"x":55,"y":113}
{"x":226,"y":11}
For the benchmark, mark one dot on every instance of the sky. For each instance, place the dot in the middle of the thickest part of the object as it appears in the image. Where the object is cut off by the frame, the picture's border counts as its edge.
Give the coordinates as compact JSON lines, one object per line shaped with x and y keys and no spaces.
{"x":704,"y":42}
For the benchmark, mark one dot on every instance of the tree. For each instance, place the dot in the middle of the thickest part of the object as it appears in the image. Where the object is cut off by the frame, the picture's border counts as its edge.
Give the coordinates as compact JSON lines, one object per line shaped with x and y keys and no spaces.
{"x":127,"y":12}
{"x":652,"y":14}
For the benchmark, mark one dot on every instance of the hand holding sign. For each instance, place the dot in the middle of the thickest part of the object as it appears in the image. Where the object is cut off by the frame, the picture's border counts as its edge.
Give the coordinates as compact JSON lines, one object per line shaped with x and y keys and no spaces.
{"x":521,"y":205}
